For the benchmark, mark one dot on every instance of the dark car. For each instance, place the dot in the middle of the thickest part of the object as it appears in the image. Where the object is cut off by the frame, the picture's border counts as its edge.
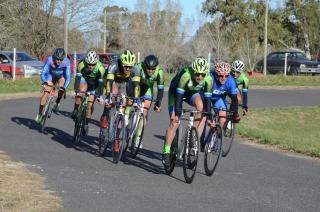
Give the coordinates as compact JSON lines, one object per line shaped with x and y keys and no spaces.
{"x":107,"y":58}
{"x":297,"y":63}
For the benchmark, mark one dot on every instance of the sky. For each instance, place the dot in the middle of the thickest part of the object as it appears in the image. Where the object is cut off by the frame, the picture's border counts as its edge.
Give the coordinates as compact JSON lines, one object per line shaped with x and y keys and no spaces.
{"x":190,"y":11}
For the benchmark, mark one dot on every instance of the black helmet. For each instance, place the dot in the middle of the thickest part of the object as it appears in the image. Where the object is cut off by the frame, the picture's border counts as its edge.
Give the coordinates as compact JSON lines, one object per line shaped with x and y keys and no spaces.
{"x":151,"y":61}
{"x":59,"y":54}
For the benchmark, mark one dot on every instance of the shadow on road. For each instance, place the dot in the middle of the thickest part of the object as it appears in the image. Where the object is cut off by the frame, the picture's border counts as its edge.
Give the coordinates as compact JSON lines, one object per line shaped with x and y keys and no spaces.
{"x":144,"y":164}
{"x":68,"y":114}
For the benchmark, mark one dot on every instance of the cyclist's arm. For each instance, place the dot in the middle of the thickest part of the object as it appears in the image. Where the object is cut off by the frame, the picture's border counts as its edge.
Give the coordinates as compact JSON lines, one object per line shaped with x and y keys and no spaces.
{"x":67,"y":74}
{"x":99,"y":78}
{"x":136,"y":81}
{"x":113,"y":68}
{"x":208,"y":93}
{"x":160,"y":84}
{"x":46,"y":70}
{"x":232,"y":90}
{"x":180,"y":91}
{"x":245,"y":89}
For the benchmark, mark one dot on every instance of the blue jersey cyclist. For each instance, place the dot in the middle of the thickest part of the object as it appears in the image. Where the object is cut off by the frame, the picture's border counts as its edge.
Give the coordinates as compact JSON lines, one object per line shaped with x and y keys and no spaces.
{"x":56,"y":70}
{"x":223,"y":85}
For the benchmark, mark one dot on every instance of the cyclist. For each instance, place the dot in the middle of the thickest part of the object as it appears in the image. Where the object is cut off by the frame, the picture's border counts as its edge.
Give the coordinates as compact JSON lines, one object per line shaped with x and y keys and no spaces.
{"x":89,"y":78}
{"x":189,"y":82}
{"x":151,"y":73}
{"x":56,"y":70}
{"x":237,"y":68}
{"x":123,"y":77}
{"x":223,"y":85}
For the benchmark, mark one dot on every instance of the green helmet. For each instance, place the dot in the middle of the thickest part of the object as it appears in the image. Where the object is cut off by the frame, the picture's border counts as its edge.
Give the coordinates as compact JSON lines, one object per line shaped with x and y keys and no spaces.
{"x":200,"y":66}
{"x":128,"y":58}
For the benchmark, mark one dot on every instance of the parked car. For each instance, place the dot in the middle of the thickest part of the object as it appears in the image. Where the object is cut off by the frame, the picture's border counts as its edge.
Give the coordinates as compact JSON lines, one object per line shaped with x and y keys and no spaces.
{"x":26,"y":64}
{"x":297,"y":63}
{"x":107,"y":58}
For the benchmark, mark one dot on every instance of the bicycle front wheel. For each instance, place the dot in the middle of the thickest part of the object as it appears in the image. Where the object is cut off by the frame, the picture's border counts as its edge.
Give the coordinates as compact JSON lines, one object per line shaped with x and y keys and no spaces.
{"x":46,"y":112}
{"x":136,"y":140}
{"x":78,"y":125}
{"x":190,"y":154}
{"x":229,"y":132}
{"x":119,"y":138}
{"x":212,"y":150}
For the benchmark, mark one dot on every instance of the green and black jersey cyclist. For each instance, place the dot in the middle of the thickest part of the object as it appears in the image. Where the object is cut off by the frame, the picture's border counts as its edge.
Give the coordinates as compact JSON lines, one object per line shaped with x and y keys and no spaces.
{"x":151,"y":73}
{"x":123,"y":77}
{"x":89,"y":78}
{"x":191,"y":83}
{"x":242,"y":80}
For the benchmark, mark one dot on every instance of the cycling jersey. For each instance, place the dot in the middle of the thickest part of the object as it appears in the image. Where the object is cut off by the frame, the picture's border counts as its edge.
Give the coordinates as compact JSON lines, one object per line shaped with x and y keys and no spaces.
{"x":52,"y":71}
{"x":183,"y":84}
{"x":91,"y":77}
{"x":220,"y":91}
{"x":146,"y":83}
{"x":244,"y":82}
{"x":115,"y":74}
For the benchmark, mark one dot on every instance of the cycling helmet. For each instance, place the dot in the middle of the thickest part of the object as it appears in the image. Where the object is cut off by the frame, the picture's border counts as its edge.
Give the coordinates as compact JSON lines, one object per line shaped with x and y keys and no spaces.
{"x":91,"y":57}
{"x":222,"y":68}
{"x":151,"y":61}
{"x":238,"y":66}
{"x":59,"y":54}
{"x":128,"y":58}
{"x":200,"y":65}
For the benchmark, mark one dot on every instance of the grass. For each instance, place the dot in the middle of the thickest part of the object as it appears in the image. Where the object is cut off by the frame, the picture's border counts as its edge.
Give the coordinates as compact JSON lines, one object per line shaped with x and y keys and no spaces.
{"x":22,"y":190}
{"x":293,"y":129}
{"x":280,"y":80}
{"x":34,"y":84}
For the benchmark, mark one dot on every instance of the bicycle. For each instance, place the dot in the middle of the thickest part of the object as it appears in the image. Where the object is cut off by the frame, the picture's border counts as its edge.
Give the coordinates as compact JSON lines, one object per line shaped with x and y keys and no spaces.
{"x":187,"y":149}
{"x":229,"y":133}
{"x":119,"y":133}
{"x":47,"y":109}
{"x":80,"y":119}
{"x":213,"y":144}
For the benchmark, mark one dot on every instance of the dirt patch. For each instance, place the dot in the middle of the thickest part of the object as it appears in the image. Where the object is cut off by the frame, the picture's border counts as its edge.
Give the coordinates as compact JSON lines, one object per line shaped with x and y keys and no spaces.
{"x":22,"y":190}
{"x":254,"y":143}
{"x":8,"y":96}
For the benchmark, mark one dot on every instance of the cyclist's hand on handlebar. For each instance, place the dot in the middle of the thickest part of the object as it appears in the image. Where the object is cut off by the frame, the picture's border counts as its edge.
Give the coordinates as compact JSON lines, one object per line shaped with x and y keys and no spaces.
{"x":210,"y":123}
{"x":157,"y":109}
{"x":245,"y":111}
{"x":236,"y":118}
{"x":100,"y":100}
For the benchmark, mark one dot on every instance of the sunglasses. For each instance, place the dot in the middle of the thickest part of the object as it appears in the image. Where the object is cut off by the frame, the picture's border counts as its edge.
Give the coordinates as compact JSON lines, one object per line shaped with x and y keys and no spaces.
{"x":58,"y":60}
{"x":127,"y":67}
{"x":91,"y":65}
{"x":198,"y":75}
{"x":151,"y":69}
{"x":223,"y":76}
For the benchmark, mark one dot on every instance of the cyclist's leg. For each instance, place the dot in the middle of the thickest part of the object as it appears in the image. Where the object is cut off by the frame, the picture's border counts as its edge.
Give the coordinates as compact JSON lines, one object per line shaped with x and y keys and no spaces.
{"x":174,"y":123}
{"x":60,"y":82}
{"x":220,"y":103}
{"x":83,"y":86}
{"x":239,"y":96}
{"x":199,"y":119}
{"x":44,"y":97}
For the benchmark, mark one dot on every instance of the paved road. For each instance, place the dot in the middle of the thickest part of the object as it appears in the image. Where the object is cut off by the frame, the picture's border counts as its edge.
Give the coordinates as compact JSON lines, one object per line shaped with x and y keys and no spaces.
{"x":249,"y":179}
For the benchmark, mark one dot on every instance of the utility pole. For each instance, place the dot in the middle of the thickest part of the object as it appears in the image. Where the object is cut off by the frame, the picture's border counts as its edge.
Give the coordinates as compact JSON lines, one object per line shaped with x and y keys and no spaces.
{"x":65,"y":17}
{"x":265,"y":39}
{"x":104,"y":31}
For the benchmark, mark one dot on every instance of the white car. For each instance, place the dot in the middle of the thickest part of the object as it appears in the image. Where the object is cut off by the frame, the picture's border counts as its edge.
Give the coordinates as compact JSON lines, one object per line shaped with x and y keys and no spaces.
{"x":29,"y":65}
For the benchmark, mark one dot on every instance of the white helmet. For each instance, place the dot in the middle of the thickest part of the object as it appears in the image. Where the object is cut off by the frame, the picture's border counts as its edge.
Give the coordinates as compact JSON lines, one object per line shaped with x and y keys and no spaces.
{"x":238,"y":66}
{"x":91,"y":57}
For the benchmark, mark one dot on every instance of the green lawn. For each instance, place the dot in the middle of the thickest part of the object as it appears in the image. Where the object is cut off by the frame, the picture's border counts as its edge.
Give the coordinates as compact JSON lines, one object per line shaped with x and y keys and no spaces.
{"x":293,"y":128}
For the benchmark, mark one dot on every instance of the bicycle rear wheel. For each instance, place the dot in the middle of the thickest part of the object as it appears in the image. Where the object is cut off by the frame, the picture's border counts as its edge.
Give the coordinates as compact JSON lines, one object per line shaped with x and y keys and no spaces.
{"x":212,"y":150}
{"x":105,"y":135}
{"x":46,"y":111}
{"x":229,"y":131}
{"x":78,"y":125}
{"x":135,"y":147}
{"x":120,"y":137}
{"x":190,"y":154}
